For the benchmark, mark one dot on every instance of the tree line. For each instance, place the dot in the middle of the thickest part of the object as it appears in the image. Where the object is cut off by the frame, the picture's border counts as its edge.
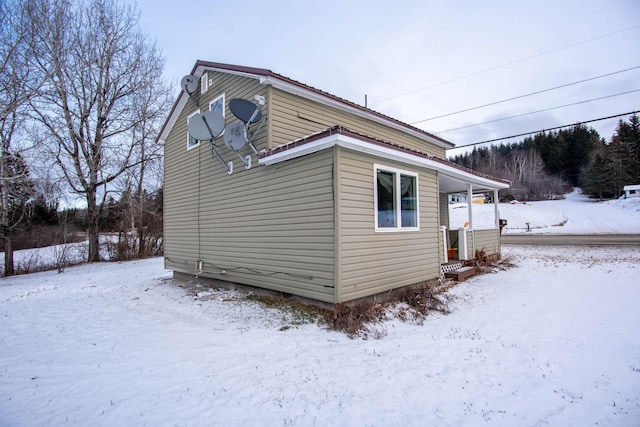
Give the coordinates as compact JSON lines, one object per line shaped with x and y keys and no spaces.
{"x":549,"y":164}
{"x":81,"y":100}
{"x":136,"y":222}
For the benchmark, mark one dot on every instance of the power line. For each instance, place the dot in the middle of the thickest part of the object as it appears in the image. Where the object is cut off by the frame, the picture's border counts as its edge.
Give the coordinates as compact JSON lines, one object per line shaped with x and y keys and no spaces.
{"x":538,"y":111}
{"x":544,"y":130}
{"x":507,"y":64}
{"x":526,"y":95}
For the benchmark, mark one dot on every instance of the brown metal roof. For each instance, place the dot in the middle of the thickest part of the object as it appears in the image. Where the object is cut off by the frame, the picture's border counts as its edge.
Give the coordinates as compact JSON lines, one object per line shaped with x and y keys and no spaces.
{"x":344,"y":131}
{"x":268,"y":73}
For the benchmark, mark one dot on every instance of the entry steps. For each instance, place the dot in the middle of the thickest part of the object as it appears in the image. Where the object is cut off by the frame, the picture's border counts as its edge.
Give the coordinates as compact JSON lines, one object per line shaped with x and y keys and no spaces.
{"x":456,"y":271}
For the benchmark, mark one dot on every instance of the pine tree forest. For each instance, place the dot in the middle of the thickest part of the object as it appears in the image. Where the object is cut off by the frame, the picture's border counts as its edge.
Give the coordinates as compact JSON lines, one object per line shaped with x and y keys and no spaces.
{"x":551,"y":163}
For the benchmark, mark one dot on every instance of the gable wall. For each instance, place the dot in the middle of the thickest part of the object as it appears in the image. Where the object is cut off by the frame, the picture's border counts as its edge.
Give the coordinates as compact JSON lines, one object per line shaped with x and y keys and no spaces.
{"x":271,"y":227}
{"x":294,"y":117}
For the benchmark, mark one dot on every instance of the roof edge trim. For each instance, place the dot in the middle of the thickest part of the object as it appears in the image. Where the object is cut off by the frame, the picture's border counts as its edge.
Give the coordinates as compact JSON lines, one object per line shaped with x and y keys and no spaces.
{"x":342,"y":138}
{"x":268,"y":77}
{"x":355,"y":109}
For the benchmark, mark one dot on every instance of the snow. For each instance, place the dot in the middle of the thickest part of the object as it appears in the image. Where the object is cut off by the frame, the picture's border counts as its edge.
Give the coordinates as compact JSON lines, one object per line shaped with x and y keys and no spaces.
{"x":552,"y":341}
{"x":576,"y":214}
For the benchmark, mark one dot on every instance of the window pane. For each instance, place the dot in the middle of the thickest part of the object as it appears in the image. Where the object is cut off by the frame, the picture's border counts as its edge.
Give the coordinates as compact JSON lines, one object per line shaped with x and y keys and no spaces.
{"x":218,"y":105}
{"x":191,"y":140}
{"x":409,"y":201}
{"x":386,"y":200}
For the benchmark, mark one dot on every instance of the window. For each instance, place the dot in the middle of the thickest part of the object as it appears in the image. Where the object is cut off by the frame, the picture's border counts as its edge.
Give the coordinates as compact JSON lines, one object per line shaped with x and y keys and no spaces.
{"x":204,"y":83}
{"x":396,"y":199}
{"x":217,"y":105}
{"x":191,"y":141}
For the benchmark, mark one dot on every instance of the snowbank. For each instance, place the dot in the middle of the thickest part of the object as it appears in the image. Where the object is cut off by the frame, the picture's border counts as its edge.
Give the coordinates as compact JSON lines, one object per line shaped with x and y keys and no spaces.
{"x":576,"y":214}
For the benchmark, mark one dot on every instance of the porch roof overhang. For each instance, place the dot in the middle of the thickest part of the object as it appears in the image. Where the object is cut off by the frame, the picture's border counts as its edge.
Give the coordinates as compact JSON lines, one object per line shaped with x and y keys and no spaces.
{"x":453,"y":178}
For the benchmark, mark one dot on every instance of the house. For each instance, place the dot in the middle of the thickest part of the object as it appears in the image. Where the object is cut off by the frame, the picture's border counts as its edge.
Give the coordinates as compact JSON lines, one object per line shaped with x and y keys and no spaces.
{"x":462,"y":198}
{"x":339,"y":203}
{"x":457,"y":198}
{"x":631,"y":191}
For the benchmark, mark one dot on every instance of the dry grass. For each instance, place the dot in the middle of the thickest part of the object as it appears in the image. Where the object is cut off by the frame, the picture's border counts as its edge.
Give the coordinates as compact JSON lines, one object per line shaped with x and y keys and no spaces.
{"x":296,"y":312}
{"x":411,"y":303}
{"x":490,"y":263}
{"x":356,"y":319}
{"x":416,"y":302}
{"x":365,"y":319}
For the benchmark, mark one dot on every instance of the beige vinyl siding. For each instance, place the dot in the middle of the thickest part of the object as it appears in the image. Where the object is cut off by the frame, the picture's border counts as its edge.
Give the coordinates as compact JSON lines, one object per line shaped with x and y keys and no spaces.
{"x":444,"y":210}
{"x":271,"y":227}
{"x":234,"y":87}
{"x":295,"y":117}
{"x":487,"y":240}
{"x":182,"y":167}
{"x":373,"y":262}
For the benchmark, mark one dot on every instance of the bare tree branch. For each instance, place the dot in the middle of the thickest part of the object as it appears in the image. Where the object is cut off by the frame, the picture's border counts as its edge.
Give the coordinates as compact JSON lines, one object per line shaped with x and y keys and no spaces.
{"x":98,"y":64}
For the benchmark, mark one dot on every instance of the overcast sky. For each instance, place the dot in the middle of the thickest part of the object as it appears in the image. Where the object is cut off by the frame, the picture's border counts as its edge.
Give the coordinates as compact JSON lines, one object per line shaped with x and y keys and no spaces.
{"x":419,"y":59}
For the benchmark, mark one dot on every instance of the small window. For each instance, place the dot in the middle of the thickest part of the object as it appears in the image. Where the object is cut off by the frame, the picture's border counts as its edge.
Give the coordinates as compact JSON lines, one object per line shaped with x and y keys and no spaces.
{"x":217,"y":104}
{"x":204,"y":83}
{"x":396,"y":199}
{"x":191,"y":141}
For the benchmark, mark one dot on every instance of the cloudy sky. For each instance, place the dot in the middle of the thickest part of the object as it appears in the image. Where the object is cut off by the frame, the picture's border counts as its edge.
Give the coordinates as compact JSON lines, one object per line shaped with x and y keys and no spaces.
{"x":416,"y":60}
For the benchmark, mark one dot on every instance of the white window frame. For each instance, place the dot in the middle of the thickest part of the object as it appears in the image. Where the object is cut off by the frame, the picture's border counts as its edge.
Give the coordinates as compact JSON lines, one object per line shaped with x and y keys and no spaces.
{"x":191,"y":145}
{"x":221,"y":96}
{"x":398,"y":197}
{"x":204,"y":82}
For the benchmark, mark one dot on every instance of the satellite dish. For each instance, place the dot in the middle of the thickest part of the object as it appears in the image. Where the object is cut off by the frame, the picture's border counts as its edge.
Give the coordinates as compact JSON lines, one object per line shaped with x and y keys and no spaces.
{"x":206,"y":126}
{"x":189,"y":83}
{"x":245,"y":110}
{"x":235,"y":136}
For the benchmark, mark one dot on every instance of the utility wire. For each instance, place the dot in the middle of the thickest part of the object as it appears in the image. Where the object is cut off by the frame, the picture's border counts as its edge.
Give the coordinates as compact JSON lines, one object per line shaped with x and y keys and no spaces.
{"x":538,"y":111}
{"x":544,"y":130}
{"x":507,"y":64}
{"x":525,"y":95}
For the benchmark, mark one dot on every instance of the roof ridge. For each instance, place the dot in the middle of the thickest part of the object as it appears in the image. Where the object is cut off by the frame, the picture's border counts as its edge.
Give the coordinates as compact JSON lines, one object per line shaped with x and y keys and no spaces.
{"x":268,"y":73}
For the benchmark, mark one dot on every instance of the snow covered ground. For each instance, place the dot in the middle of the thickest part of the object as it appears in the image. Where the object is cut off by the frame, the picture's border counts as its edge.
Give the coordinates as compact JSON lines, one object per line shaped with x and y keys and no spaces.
{"x":576,"y":214}
{"x":552,"y":341}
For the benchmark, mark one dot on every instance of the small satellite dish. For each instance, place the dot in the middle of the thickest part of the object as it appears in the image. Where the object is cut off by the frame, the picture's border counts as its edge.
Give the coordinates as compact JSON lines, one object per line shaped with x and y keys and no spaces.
{"x":245,"y":110}
{"x":189,"y":83}
{"x":206,"y":126}
{"x":235,"y":136}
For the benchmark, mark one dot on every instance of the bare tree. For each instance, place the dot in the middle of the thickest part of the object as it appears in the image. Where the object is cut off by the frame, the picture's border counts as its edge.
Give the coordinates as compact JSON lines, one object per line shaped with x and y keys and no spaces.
{"x":152,"y":105}
{"x":137,"y":209}
{"x":97,"y":64}
{"x":524,"y":167}
{"x":18,"y":85}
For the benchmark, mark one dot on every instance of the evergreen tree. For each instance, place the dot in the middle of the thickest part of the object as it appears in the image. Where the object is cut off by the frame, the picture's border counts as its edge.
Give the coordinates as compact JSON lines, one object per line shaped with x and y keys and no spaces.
{"x":579,"y":142}
{"x":634,"y":124}
{"x":627,"y":142}
{"x":596,"y":180}
{"x":615,"y":164}
{"x":564,"y":157}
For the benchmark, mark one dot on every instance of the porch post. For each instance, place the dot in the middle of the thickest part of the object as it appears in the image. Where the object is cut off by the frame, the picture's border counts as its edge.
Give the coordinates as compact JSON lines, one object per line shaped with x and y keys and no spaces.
{"x":443,"y":228}
{"x":495,"y":201}
{"x":470,"y":209}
